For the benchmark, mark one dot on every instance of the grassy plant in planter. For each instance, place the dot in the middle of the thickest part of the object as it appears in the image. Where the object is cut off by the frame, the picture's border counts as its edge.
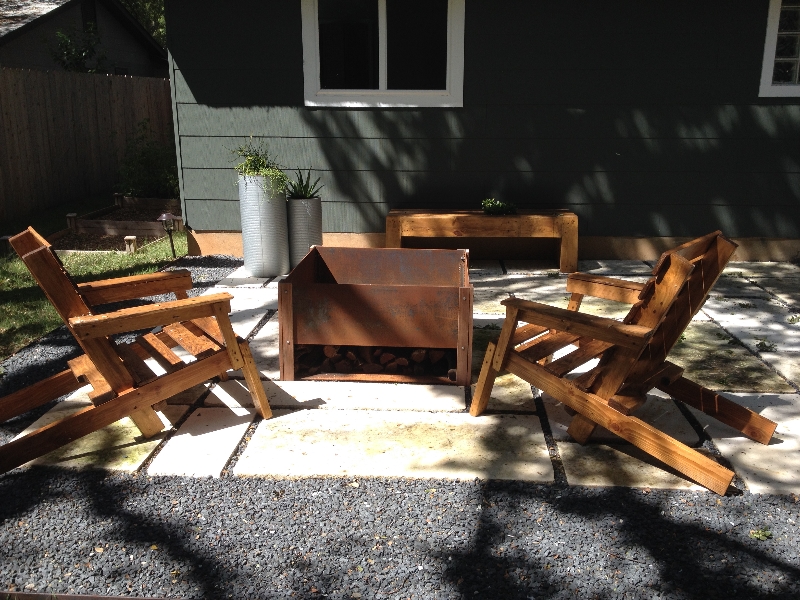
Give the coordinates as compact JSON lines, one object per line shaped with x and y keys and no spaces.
{"x":305,"y":215}
{"x":262,"y":203}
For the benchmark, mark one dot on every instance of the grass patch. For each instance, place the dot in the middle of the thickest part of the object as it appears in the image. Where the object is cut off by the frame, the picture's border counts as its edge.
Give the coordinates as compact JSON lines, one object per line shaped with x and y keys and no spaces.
{"x":27,"y":315}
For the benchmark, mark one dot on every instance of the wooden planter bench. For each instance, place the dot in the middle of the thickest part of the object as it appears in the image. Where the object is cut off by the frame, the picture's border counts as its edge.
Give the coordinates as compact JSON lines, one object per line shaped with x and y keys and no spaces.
{"x":475,"y":223}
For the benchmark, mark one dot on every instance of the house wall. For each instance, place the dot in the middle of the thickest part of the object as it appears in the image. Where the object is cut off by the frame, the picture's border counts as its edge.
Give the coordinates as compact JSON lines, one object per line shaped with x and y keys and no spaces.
{"x":31,"y":48}
{"x":642,"y":117}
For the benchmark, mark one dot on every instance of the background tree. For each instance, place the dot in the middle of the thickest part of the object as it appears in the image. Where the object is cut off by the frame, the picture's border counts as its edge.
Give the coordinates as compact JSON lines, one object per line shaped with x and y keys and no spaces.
{"x":150,"y":13}
{"x":79,"y":51}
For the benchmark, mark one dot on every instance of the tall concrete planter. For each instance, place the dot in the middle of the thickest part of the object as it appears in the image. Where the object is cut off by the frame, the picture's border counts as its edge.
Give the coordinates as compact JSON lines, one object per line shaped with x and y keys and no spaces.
{"x":265,"y":237}
{"x":305,"y":227}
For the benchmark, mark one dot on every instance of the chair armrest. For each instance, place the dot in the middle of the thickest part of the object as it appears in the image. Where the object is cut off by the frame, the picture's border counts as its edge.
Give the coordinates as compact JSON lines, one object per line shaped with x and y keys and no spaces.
{"x":604,"y":287}
{"x":149,"y":316}
{"x":136,"y":286}
{"x":599,"y":328}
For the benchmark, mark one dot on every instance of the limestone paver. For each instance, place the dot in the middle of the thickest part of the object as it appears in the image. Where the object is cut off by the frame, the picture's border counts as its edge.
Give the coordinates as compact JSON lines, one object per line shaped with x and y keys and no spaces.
{"x":529,"y":267}
{"x":248,"y":306}
{"x":480,"y":269}
{"x":117,"y":447}
{"x":488,"y":294}
{"x":264,"y":347}
{"x":510,"y":393}
{"x":204,"y":443}
{"x":617,"y":465}
{"x":397,"y":443}
{"x":785,"y":363}
{"x":659,"y":411}
{"x":763,"y":269}
{"x":737,"y":287}
{"x":787,"y":290}
{"x":762,"y":325}
{"x":241,"y":278}
{"x":341,"y":395}
{"x":616,"y":268}
{"x":770,"y":469}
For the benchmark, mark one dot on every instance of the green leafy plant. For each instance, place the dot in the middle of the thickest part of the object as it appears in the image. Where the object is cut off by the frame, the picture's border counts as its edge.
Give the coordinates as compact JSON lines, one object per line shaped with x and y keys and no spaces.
{"x":301,"y":188}
{"x":150,"y":168}
{"x":491,"y":206}
{"x":793,"y":319}
{"x":79,"y":51}
{"x":766,"y":346}
{"x":256,"y":161}
{"x":762,"y":534}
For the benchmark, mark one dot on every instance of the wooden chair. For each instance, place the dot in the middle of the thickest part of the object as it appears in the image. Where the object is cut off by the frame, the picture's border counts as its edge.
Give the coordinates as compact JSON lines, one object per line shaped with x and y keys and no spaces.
{"x":632,"y":356}
{"x":122,"y":383}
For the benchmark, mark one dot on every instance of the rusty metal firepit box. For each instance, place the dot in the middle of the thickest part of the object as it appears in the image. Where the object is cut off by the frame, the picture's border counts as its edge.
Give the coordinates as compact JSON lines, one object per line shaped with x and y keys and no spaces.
{"x":378,"y":297}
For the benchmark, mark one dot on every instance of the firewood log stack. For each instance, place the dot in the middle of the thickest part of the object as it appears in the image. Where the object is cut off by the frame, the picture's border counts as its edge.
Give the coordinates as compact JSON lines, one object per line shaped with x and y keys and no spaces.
{"x":418,"y":362}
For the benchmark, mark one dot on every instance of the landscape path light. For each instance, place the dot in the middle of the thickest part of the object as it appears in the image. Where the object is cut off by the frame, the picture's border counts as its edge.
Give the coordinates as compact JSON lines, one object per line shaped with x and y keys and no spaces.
{"x":168,"y":220}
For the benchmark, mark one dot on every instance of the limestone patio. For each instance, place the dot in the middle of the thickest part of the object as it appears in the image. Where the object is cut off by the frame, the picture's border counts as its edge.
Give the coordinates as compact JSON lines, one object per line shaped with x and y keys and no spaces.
{"x":745,"y":343}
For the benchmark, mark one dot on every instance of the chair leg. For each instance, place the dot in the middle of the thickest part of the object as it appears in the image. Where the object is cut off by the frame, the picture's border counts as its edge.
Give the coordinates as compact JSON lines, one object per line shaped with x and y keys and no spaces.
{"x":581,"y":428}
{"x":147,"y":421}
{"x":253,"y":380}
{"x":483,"y":389}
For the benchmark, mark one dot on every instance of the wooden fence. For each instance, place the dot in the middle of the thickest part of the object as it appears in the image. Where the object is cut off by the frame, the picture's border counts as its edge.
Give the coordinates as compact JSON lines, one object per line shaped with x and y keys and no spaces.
{"x":63,"y":135}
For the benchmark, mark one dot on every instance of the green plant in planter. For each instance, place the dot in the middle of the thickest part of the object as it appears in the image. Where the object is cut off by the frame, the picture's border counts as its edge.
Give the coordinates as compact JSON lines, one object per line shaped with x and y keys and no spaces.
{"x":257,"y":161}
{"x":301,"y":188}
{"x":492,"y":206}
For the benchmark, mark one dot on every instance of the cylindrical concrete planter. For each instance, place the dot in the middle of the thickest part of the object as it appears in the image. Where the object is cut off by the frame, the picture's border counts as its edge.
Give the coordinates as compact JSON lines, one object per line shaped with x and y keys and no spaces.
{"x":305,"y":227}
{"x":265,"y":236}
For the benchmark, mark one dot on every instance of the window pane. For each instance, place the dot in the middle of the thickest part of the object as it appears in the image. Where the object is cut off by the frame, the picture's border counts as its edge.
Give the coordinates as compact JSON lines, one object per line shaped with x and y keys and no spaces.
{"x":785,"y":72}
{"x":787,"y":46}
{"x":790,"y":20}
{"x":348,"y":44}
{"x":416,"y":44}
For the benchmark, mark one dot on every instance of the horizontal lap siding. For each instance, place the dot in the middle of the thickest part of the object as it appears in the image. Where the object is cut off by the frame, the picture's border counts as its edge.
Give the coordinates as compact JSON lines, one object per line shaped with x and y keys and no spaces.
{"x":637,"y":116}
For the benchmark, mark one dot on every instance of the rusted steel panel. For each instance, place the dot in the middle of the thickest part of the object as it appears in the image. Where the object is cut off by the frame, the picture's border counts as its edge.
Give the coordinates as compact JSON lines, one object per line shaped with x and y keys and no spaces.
{"x":369,"y":315}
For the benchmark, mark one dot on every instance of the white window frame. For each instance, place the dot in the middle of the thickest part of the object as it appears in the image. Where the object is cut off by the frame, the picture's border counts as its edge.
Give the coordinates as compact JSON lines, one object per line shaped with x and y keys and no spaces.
{"x":452,"y":96}
{"x":767,"y":89}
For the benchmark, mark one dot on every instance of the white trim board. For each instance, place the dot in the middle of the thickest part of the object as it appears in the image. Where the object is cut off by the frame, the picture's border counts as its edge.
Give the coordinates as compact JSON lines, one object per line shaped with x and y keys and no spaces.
{"x":452,"y":97}
{"x":767,"y":89}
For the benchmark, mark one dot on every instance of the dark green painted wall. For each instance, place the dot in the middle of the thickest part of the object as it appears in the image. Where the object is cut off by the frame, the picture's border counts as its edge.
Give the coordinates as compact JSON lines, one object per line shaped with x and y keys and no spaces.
{"x":642,"y":117}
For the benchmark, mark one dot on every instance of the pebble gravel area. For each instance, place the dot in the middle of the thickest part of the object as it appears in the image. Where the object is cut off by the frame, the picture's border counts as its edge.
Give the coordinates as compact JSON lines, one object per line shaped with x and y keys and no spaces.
{"x":105,"y":533}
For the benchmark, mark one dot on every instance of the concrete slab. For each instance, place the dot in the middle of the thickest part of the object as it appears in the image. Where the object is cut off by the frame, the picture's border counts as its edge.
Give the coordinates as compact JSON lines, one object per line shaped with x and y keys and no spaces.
{"x":770,"y":469}
{"x":737,"y":287}
{"x":341,"y":395}
{"x":241,"y":278}
{"x":617,"y":465}
{"x":510,"y":393}
{"x":479,"y":269}
{"x":762,"y":269}
{"x":787,"y":290}
{"x":659,"y":411}
{"x":714,"y":359}
{"x":762,"y":325}
{"x":204,"y":443}
{"x":616,"y":268}
{"x":248,"y":306}
{"x":488,"y":294}
{"x":117,"y":447}
{"x":397,"y":443}
{"x":264,"y":347}
{"x":787,"y":364}
{"x":530,"y":266}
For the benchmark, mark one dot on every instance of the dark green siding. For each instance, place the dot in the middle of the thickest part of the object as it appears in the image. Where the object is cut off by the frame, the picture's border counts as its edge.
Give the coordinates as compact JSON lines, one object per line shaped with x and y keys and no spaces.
{"x":642,"y":117}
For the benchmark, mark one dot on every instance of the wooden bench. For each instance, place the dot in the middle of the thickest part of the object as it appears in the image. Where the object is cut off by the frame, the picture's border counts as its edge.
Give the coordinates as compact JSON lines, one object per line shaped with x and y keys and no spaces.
{"x":475,"y":223}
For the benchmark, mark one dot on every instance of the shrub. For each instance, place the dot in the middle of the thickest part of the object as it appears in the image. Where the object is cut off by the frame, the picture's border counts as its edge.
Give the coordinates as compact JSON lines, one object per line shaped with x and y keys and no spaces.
{"x":150,"y":168}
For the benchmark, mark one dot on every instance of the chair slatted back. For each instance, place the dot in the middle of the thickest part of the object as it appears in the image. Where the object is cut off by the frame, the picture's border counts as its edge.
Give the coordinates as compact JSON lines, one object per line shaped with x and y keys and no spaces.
{"x":48,"y":271}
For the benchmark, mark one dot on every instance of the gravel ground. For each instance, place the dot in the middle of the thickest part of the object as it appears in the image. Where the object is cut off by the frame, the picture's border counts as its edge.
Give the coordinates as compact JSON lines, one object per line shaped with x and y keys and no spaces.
{"x":117,"y":534}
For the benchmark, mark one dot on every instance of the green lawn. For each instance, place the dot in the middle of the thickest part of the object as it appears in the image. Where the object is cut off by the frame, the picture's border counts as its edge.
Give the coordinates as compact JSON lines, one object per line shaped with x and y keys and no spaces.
{"x":27,"y":315}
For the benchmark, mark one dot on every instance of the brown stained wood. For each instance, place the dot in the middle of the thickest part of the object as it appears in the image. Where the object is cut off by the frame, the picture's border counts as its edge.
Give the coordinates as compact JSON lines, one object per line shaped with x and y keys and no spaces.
{"x":581,"y":428}
{"x":286,"y":327}
{"x":506,"y":335}
{"x":545,"y":346}
{"x":626,"y":404}
{"x":253,"y":379}
{"x":198,"y":346}
{"x":394,"y":231}
{"x":464,"y":344}
{"x":725,"y":411}
{"x":147,"y":422}
{"x":136,"y":286}
{"x":27,"y":241}
{"x":486,"y":379}
{"x":567,"y":227}
{"x":609,"y":330}
{"x":37,"y":394}
{"x":92,"y":418}
{"x":687,"y":461}
{"x":209,"y":327}
{"x":231,"y":342}
{"x":138,"y":369}
{"x":148,"y":316}
{"x":608,"y":288}
{"x":525,"y":332}
{"x":160,"y":352}
{"x":585,"y":352}
{"x":55,"y":283}
{"x":101,"y":392}
{"x":575,"y":301}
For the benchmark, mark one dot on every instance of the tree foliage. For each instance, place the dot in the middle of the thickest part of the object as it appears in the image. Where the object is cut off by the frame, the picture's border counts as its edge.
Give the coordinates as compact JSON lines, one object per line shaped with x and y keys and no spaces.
{"x":79,"y":51}
{"x":150,"y":13}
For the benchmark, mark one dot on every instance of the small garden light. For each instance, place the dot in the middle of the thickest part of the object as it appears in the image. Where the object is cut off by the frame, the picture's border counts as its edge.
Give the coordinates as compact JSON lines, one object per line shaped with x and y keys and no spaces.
{"x":168,"y":220}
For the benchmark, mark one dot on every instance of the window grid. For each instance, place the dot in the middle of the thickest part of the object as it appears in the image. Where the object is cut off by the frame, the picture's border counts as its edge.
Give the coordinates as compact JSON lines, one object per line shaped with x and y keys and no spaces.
{"x":787,"y":51}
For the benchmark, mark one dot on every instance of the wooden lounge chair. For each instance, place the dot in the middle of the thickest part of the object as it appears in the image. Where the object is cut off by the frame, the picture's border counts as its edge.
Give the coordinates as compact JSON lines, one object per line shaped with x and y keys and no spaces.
{"x":632,"y":356}
{"x":122,"y":383}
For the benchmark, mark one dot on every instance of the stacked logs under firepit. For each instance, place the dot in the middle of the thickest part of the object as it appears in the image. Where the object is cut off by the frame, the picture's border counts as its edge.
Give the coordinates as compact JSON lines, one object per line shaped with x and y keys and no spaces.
{"x":313,"y":360}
